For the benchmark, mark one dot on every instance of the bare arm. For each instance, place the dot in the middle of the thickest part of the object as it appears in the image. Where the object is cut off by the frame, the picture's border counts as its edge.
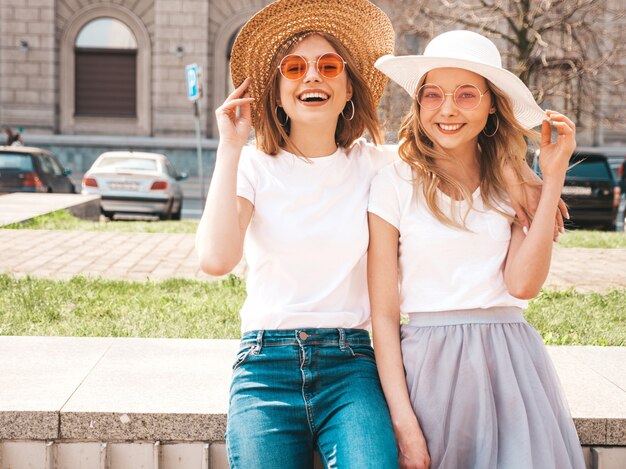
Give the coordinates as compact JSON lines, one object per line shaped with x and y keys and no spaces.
{"x":220,"y":235}
{"x":382,"y":268}
{"x":529,"y":190}
{"x":528,"y":260}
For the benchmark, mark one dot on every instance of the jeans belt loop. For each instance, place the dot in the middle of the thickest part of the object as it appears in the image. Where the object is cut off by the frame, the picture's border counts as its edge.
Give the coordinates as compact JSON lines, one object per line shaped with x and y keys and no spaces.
{"x":259,"y":342}
{"x":342,"y":339}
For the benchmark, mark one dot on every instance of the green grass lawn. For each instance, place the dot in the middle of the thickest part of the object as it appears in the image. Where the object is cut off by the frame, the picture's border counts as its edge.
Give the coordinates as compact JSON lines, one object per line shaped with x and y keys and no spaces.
{"x":113,"y":308}
{"x":199,"y":309}
{"x":63,"y":220}
{"x":571,"y":318}
{"x":593,"y":239}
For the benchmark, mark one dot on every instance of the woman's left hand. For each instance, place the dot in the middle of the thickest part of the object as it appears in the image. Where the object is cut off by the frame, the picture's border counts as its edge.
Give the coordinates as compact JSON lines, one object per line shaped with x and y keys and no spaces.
{"x":529,"y":192}
{"x":554,"y":156}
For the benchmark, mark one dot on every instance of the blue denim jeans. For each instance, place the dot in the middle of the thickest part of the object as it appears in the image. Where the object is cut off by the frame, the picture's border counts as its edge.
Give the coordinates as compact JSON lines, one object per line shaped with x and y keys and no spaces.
{"x":294,"y":391}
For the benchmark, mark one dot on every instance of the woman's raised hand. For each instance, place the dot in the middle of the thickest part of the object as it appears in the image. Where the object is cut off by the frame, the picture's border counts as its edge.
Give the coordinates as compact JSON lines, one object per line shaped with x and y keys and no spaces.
{"x":233,"y":128}
{"x":554,"y":156}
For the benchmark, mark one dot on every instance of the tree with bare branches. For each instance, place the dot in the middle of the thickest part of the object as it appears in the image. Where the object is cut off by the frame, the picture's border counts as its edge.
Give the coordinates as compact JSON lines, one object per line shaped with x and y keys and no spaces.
{"x":571,"y":53}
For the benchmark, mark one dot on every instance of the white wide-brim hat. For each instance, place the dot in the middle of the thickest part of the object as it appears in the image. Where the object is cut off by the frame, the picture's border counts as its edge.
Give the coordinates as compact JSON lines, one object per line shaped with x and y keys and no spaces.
{"x":469,"y":51}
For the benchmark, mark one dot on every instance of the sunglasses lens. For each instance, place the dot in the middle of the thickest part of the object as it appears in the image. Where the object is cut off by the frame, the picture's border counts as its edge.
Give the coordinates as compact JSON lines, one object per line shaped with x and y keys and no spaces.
{"x":293,"y":67}
{"x":467,"y":96}
{"x":330,"y":65}
{"x":430,"y":96}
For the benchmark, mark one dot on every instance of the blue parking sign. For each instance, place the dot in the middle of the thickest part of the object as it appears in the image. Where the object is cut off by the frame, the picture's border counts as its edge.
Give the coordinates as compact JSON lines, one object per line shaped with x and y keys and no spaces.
{"x":193,"y":81}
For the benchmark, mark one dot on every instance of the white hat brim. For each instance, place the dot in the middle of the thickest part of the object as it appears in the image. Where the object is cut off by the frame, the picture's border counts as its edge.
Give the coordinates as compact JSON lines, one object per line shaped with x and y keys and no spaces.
{"x":408,"y":70}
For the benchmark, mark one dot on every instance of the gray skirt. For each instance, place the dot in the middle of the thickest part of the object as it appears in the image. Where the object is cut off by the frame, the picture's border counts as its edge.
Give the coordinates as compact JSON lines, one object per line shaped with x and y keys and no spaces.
{"x":486,"y":393}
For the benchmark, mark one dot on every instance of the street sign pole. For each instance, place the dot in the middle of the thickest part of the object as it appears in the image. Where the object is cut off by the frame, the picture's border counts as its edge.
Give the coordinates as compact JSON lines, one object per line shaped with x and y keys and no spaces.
{"x":196,"y":108}
{"x":194,"y":92}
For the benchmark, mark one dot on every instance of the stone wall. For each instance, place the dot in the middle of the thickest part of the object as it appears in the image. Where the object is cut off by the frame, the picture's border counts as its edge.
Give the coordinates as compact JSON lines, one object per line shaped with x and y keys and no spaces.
{"x":36,"y":81}
{"x":28,"y":65}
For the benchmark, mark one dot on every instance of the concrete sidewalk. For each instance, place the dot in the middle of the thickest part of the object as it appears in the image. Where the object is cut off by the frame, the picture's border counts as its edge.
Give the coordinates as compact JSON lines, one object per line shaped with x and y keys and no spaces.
{"x":141,"y":256}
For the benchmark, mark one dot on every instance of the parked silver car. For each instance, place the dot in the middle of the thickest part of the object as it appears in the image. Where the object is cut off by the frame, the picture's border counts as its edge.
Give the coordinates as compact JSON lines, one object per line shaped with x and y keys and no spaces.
{"x":132,"y":182}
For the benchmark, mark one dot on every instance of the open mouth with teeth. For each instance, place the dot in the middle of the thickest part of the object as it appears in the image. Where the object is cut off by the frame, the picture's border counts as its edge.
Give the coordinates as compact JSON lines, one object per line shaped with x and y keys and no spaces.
{"x":313,"y":97}
{"x":449,"y":127}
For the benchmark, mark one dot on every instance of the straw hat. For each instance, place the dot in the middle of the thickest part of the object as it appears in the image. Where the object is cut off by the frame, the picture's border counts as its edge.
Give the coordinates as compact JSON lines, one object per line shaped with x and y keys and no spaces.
{"x":469,"y":51}
{"x":359,"y":25}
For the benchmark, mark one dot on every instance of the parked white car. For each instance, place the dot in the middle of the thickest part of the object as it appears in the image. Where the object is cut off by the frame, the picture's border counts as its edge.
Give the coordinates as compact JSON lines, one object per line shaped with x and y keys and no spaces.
{"x":132,"y":182}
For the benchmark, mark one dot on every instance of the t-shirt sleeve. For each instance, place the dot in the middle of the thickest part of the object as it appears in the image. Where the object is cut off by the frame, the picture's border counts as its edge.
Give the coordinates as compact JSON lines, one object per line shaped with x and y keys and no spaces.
{"x":246,"y":174}
{"x":384,"y":200}
{"x":381,"y":156}
{"x":389,"y":152}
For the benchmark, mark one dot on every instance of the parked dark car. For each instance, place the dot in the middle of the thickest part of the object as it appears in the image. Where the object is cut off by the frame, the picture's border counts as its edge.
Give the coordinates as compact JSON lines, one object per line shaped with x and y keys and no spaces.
{"x":28,"y":169}
{"x":591,"y":190}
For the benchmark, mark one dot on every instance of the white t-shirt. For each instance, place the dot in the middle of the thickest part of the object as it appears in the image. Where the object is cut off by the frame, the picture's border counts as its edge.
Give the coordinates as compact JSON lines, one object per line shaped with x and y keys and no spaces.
{"x":442,"y":268}
{"x":307,"y":240}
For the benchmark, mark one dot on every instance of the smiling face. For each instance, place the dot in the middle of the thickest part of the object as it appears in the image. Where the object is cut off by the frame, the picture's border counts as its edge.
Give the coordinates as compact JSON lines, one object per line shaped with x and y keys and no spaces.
{"x":314,"y":99}
{"x":450,"y":127}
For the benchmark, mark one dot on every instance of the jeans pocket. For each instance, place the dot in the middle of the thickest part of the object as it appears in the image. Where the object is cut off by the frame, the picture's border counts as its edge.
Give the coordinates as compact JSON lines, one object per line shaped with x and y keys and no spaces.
{"x":362,"y":351}
{"x":242,"y":356}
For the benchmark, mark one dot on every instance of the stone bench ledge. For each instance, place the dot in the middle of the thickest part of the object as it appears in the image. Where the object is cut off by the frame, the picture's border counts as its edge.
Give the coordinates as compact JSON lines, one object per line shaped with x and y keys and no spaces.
{"x":21,"y":206}
{"x":109,"y":389}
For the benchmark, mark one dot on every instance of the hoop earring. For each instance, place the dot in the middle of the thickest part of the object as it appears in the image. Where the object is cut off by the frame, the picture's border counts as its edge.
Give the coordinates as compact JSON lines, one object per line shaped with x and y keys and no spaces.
{"x":282,"y":124}
{"x":497,"y":127}
{"x":353,"y":110}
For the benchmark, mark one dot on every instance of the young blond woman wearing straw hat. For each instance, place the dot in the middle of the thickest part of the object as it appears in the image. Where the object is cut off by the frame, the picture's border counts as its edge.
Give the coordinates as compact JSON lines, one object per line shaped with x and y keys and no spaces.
{"x":305,"y":378}
{"x":468,"y":381}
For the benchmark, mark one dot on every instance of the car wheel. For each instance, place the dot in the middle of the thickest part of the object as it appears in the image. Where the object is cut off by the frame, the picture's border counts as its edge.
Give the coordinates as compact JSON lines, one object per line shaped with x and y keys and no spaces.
{"x":168,"y":214}
{"x":177,"y":215}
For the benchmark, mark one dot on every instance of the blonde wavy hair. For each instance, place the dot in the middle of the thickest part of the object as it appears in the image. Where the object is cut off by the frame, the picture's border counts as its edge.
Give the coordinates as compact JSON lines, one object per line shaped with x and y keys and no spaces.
{"x":271,"y":135}
{"x":507,"y":148}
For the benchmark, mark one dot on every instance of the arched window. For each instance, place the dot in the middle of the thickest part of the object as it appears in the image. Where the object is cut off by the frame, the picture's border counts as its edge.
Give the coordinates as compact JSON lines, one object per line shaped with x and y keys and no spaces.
{"x":105,"y":69}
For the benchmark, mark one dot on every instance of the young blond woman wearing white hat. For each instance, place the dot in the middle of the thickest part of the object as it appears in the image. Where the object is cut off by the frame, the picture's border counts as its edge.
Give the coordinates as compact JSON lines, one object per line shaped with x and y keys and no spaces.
{"x":468,"y":381}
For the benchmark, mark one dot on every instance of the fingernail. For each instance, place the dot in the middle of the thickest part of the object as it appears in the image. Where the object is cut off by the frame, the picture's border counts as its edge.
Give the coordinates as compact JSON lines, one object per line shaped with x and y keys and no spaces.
{"x":525,"y":230}
{"x":561,"y":230}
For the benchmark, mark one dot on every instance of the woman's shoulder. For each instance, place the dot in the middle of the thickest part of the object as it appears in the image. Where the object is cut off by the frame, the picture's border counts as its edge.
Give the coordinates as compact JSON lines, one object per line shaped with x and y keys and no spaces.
{"x":398,"y":170}
{"x":250,"y":150}
{"x":377,"y":156}
{"x":253,"y":156}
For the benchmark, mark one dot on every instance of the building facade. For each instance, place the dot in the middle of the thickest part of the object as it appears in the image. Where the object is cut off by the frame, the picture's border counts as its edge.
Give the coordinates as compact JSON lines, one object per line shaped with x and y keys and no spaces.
{"x":102,"y":74}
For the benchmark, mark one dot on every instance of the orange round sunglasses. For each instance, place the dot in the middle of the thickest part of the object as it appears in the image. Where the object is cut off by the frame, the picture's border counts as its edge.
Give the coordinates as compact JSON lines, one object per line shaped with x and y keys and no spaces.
{"x":295,"y":67}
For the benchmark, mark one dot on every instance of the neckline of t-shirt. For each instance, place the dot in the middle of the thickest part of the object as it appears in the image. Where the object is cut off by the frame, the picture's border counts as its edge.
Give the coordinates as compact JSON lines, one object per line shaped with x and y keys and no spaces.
{"x":447,"y":198}
{"x":317,"y":161}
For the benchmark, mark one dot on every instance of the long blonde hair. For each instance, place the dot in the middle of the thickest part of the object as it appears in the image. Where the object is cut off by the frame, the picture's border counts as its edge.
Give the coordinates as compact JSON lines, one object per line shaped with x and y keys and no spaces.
{"x":271,"y":135}
{"x":507,"y":147}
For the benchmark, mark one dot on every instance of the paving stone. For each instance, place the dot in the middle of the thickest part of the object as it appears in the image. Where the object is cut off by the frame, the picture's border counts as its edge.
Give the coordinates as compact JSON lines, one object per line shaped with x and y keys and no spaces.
{"x":142,"y":256}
